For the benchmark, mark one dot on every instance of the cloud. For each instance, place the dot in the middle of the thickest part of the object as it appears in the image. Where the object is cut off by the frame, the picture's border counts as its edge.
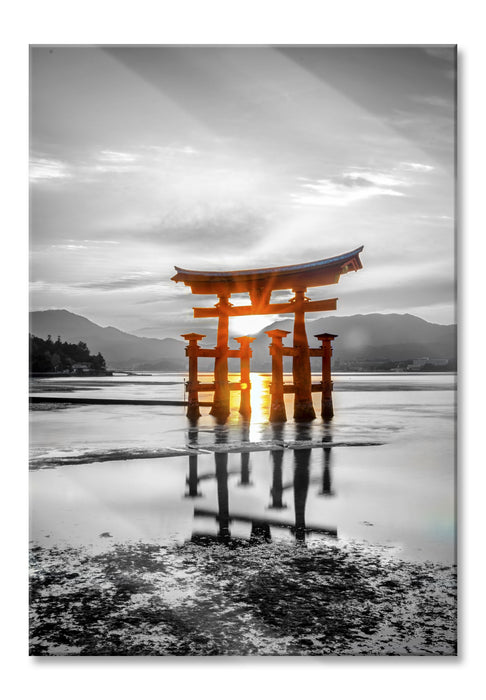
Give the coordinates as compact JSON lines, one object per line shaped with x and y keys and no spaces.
{"x":57,"y":289}
{"x":207,"y":226}
{"x":117,"y":157}
{"x":69,"y":246}
{"x":164,"y":151}
{"x":380,"y":179}
{"x":111,"y":162}
{"x":42,"y":169}
{"x":141,"y":279}
{"x":98,"y":241}
{"x":146,"y":159}
{"x":347,"y":189}
{"x":417,"y":167}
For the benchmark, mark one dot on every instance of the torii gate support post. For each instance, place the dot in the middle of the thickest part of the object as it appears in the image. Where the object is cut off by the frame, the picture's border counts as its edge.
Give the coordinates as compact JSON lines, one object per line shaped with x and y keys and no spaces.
{"x":192,"y":352}
{"x":326,"y":474}
{"x":192,"y":480}
{"x":221,"y":402}
{"x":221,"y":459}
{"x":327,"y":410}
{"x":277,"y":405}
{"x":301,"y":368}
{"x":245,"y":355}
{"x":276,"y":490}
{"x":301,"y":488}
{"x":245,"y":458}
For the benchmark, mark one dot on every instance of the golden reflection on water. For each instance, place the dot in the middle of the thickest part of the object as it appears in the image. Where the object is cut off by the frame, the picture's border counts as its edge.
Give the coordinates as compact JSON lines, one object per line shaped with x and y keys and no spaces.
{"x":260,"y":397}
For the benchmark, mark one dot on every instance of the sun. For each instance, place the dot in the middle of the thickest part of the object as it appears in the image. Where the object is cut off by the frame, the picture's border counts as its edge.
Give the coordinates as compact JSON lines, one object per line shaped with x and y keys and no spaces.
{"x":248,"y":325}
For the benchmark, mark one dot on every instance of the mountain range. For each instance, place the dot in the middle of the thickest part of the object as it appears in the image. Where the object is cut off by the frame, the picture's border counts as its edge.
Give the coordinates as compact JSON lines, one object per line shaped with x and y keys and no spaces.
{"x":361,"y":338}
{"x":121,"y":350}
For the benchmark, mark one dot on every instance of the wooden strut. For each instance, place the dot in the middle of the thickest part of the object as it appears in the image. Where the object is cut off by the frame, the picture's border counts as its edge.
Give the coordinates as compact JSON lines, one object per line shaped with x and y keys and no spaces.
{"x":261,"y":309}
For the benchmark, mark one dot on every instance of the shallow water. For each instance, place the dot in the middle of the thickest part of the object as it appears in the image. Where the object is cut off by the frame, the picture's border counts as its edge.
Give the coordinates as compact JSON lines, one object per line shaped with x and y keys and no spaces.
{"x":398,"y":494}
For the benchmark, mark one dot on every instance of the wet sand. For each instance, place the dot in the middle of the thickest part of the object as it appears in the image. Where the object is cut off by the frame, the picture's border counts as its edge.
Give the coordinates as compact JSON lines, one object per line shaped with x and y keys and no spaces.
{"x":258,"y":599}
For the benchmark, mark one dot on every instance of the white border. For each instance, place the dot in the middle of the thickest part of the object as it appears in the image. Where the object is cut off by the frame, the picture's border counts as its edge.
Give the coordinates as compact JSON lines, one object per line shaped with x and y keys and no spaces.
{"x":219,"y":21}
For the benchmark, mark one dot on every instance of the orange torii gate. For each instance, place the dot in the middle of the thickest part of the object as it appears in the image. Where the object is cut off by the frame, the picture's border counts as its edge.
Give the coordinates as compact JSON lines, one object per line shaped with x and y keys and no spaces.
{"x":260,"y":284}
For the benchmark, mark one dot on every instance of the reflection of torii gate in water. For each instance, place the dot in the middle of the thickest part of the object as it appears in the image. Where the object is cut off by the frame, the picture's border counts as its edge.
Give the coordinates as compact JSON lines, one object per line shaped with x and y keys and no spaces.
{"x":260,"y":284}
{"x":261,"y":525}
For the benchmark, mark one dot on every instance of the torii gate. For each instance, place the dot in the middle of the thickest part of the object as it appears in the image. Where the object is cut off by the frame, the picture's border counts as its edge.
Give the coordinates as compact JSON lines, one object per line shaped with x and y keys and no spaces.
{"x":260,"y":284}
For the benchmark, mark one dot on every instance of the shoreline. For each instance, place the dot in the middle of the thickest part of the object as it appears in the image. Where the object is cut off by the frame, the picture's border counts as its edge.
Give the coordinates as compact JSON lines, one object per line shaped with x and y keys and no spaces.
{"x":114,"y":455}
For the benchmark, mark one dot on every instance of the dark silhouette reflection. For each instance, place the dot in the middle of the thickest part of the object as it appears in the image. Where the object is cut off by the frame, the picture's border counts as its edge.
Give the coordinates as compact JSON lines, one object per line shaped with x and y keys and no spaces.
{"x":301,"y":488}
{"x":245,"y":469}
{"x":326,"y":470}
{"x":303,"y":432}
{"x":221,"y":461}
{"x":192,"y":435}
{"x":223,"y":496}
{"x":326,"y":474}
{"x":221,"y":434}
{"x":192,"y":480}
{"x":222,"y":514}
{"x":260,"y":526}
{"x":276,"y":491}
{"x":245,"y":457}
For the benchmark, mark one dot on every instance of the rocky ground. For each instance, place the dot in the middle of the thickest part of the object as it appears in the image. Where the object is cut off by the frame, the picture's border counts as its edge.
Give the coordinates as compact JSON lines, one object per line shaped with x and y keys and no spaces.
{"x":268,"y":599}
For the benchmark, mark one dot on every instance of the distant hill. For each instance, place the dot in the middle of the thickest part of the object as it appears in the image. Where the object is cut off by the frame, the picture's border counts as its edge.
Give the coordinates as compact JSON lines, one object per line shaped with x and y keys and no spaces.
{"x":120,"y":350}
{"x":369,"y":337}
{"x":365,"y":337}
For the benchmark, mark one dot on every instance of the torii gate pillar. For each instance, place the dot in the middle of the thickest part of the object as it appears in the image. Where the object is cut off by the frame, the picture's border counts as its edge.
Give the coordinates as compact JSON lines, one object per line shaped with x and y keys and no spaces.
{"x":327,"y":410}
{"x":277,"y":405}
{"x":221,"y":402}
{"x":192,"y":351}
{"x":301,"y":368}
{"x":245,"y":350}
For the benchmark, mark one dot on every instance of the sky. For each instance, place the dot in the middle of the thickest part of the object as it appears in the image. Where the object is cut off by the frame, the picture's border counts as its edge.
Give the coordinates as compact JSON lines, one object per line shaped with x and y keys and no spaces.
{"x":221,"y":158}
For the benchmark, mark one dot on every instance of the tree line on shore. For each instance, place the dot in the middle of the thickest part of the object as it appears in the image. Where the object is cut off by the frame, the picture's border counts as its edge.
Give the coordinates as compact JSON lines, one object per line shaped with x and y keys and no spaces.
{"x":58,"y":356}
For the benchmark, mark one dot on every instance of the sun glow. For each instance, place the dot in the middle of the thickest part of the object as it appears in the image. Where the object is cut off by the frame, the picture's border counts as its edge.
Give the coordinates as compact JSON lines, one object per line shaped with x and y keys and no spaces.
{"x":248,"y":325}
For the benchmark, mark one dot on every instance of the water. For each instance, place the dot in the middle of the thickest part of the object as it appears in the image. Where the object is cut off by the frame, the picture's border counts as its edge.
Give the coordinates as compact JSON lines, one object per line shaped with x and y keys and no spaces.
{"x":388,"y":478}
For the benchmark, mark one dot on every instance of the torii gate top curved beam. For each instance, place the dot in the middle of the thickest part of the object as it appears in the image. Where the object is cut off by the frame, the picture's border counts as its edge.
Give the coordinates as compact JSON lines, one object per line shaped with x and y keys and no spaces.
{"x":312,"y":274}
